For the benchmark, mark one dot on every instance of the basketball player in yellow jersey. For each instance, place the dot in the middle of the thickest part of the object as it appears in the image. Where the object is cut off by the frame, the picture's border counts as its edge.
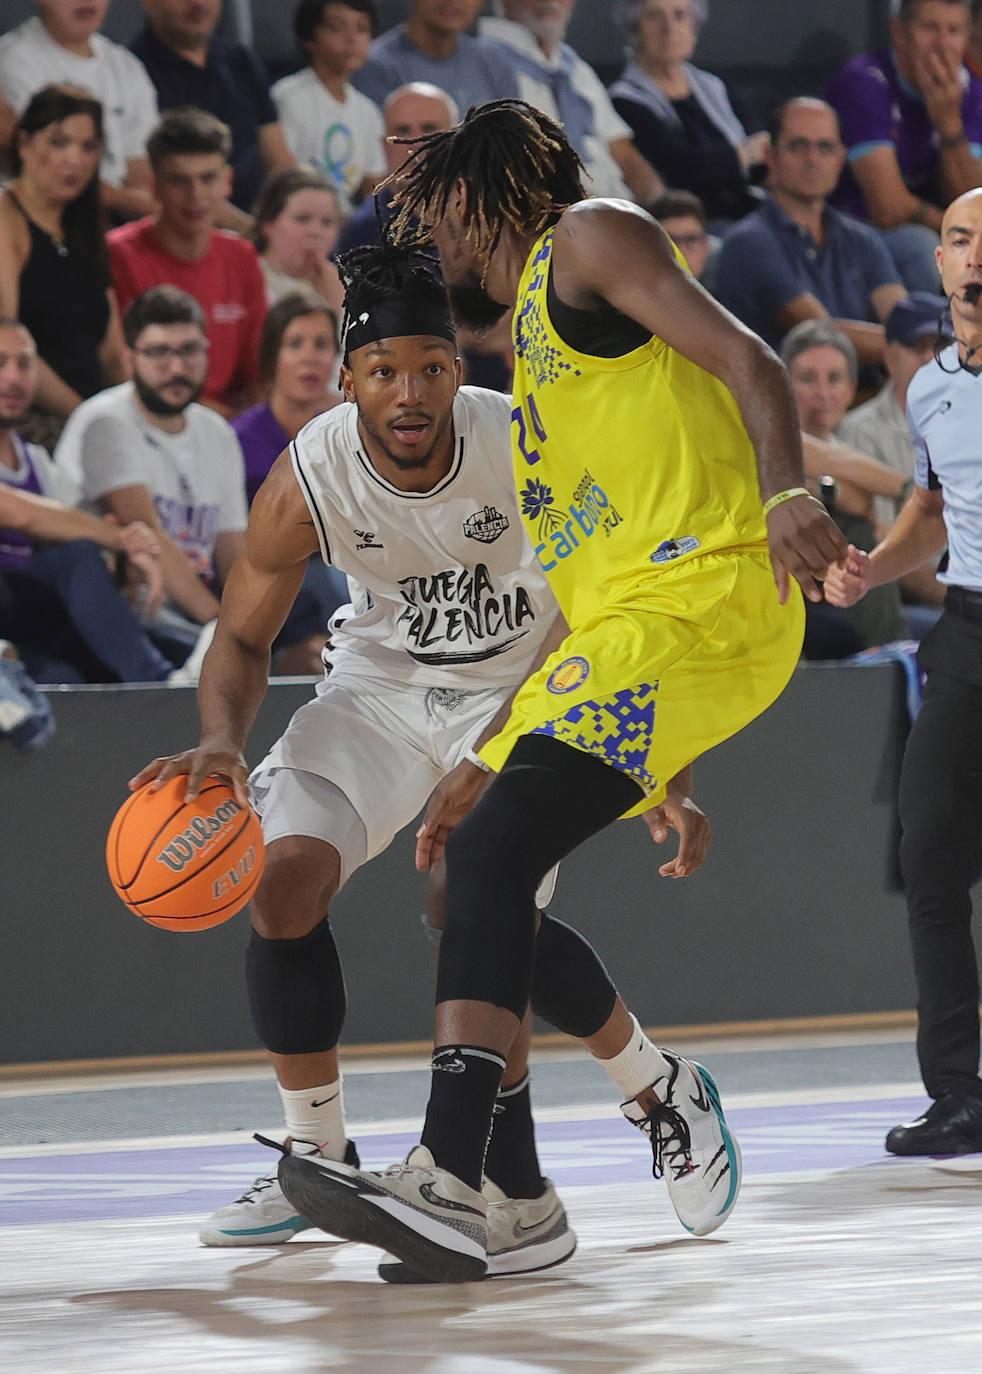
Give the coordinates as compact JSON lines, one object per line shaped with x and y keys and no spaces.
{"x":658,"y":462}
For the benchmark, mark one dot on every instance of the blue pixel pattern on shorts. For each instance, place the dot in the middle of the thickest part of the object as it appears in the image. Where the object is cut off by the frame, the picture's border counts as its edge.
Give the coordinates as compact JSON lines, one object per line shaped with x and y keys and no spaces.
{"x":619,"y":730}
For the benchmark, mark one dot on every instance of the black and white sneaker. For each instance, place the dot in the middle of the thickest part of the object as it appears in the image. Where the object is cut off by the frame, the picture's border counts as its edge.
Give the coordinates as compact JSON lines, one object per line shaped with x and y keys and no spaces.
{"x":524,"y":1236}
{"x":692,"y":1145}
{"x":418,"y":1212}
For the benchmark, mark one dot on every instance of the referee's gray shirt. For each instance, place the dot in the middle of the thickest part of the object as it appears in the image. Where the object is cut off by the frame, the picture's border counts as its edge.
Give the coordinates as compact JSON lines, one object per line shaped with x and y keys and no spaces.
{"x":944,"y":411}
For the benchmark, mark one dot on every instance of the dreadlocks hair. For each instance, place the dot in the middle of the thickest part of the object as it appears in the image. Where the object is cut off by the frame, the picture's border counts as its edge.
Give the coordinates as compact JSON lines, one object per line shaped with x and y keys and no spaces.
{"x":378,"y":273}
{"x":520,"y":169}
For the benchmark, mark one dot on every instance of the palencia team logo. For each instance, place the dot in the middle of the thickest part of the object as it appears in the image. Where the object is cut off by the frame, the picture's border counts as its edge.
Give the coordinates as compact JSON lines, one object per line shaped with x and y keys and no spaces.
{"x":487,"y":525}
{"x":182,"y":847}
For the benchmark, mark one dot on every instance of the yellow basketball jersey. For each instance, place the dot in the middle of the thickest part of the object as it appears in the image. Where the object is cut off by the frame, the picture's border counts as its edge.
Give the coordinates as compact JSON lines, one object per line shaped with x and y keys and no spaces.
{"x":624,"y":466}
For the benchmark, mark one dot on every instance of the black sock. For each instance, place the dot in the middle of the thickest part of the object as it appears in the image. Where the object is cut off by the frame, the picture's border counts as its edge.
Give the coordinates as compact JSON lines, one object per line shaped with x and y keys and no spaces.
{"x":512,"y":1162}
{"x":458,"y":1118}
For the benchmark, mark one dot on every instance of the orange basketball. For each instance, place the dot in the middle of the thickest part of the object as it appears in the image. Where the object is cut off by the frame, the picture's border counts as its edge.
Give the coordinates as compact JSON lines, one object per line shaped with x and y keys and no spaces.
{"x":185,"y":865}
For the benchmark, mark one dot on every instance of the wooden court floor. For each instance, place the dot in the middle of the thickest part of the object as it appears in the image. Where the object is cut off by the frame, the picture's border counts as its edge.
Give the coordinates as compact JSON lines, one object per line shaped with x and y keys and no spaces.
{"x":837,"y":1259}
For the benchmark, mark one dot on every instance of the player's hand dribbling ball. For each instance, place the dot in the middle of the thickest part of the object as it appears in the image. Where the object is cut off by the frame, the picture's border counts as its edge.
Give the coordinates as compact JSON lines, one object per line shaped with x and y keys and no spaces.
{"x":185,"y":865}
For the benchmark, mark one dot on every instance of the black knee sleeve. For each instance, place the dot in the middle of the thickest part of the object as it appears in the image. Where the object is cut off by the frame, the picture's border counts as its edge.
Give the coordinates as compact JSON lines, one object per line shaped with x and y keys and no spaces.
{"x":571,"y":989}
{"x":547,"y":799}
{"x":296,"y":991}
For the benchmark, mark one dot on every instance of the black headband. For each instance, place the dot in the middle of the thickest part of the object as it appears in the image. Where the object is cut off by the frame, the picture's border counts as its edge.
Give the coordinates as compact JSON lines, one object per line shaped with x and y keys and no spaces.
{"x":394,"y":319}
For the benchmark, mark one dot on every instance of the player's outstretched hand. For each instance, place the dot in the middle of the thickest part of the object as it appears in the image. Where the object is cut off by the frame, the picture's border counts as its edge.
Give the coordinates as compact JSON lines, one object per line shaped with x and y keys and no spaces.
{"x":206,"y":761}
{"x":804,"y":541}
{"x":449,"y":804}
{"x":846,"y":584}
{"x":694,"y":833}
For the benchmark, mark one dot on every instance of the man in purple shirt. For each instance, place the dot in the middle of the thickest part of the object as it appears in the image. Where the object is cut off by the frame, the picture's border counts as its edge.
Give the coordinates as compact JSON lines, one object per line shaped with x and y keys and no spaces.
{"x":911,"y":119}
{"x":434,"y":46}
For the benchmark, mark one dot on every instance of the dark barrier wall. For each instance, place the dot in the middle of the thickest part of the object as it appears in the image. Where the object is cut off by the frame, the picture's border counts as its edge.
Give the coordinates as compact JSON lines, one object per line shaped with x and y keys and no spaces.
{"x":795,"y":913}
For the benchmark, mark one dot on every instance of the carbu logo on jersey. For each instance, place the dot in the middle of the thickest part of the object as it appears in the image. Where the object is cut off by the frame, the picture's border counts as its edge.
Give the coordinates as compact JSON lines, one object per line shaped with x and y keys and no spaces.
{"x":487,"y":525}
{"x":561,"y":532}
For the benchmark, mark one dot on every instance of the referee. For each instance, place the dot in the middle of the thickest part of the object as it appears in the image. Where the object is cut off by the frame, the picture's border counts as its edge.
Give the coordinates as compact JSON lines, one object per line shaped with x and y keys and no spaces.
{"x":941,"y":783}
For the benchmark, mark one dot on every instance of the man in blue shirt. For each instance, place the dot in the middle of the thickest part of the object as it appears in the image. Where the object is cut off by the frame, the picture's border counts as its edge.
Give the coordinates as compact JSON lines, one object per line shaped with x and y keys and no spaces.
{"x":434,"y":46}
{"x":190,"y":65}
{"x":796,"y":258}
{"x":941,"y":783}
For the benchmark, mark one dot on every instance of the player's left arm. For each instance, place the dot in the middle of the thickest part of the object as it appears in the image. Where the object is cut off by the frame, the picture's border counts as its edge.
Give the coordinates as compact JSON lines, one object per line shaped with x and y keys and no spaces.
{"x":679,"y":812}
{"x":610,"y":251}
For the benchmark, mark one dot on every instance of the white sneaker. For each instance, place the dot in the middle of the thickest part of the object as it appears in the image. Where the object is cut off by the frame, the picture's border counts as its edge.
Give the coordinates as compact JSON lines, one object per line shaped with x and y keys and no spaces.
{"x":524,"y":1235}
{"x":422,"y":1214}
{"x":691,"y":1144}
{"x":262,"y":1215}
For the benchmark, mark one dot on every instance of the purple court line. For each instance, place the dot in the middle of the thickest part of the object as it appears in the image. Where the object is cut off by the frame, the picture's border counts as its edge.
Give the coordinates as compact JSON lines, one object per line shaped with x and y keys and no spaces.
{"x":154,"y":1182}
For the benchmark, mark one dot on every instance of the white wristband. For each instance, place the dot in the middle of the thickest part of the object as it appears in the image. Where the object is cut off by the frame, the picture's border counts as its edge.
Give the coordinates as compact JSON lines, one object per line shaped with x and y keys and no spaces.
{"x":478,"y":762}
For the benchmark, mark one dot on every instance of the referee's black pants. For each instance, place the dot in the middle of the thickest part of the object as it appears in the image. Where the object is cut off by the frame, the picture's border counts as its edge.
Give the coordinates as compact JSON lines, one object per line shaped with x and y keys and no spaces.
{"x":941,"y":853}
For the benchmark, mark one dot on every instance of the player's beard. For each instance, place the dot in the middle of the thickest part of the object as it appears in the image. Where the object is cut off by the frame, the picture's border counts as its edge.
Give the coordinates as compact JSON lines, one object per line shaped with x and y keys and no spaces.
{"x":473,"y":307}
{"x":418,"y":461}
{"x":158,"y":405}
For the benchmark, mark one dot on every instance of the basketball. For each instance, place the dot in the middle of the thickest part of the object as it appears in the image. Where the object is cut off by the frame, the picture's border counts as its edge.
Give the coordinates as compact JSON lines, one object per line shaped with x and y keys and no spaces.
{"x":185,"y":865}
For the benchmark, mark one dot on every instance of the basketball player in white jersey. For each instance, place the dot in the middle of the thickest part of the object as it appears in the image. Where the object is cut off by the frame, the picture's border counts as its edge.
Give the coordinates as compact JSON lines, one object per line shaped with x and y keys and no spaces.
{"x":408,"y":489}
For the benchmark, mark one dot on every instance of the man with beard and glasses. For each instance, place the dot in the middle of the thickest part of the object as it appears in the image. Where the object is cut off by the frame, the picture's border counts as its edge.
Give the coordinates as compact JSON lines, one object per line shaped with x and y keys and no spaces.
{"x":657,"y":458}
{"x":408,"y":490}
{"x":145,"y":450}
{"x":58,"y":601}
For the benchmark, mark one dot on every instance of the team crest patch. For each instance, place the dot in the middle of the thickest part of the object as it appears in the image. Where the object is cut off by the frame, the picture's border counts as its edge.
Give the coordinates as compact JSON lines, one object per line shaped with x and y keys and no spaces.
{"x":569,"y":675}
{"x":486,"y":525}
{"x":674,"y":548}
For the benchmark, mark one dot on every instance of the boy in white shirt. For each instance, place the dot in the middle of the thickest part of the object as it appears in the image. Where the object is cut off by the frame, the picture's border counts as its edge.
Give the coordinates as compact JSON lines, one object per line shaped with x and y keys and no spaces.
{"x":326,"y":122}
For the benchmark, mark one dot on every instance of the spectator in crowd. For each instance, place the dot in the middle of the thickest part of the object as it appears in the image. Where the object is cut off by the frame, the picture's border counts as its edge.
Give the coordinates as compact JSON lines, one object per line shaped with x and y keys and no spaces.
{"x":296,"y":227}
{"x":823,"y":366}
{"x":795,"y":258}
{"x":911,"y":118}
{"x":190,"y":65}
{"x":327,"y":123}
{"x":54,"y":272}
{"x":411,"y":111}
{"x":914,"y":328}
{"x":298,"y":369}
{"x":147,"y":451}
{"x":8,"y":123}
{"x":973,"y":53}
{"x":434,"y":46}
{"x":555,"y":79}
{"x":62,"y":45}
{"x":298,"y":356}
{"x":684,"y":124}
{"x":58,"y":600}
{"x":189,"y":152}
{"x":683,"y":217}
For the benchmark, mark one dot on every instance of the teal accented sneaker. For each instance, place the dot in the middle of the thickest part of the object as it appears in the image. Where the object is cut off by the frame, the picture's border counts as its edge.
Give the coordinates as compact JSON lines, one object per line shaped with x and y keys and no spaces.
{"x":262,"y":1215}
{"x":691,"y":1143}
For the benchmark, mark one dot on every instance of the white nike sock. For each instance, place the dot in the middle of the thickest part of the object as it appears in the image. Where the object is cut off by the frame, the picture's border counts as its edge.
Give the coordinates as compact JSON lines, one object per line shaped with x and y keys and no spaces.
{"x":317,"y":1115}
{"x":639,"y":1064}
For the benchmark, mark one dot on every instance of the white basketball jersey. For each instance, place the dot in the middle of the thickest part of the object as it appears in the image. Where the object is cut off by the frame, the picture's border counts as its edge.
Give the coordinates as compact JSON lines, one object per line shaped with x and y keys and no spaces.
{"x":446,"y":589}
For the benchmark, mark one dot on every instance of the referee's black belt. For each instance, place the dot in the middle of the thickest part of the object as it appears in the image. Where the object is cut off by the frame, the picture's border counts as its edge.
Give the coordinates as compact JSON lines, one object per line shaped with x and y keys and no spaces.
{"x":963,"y":601}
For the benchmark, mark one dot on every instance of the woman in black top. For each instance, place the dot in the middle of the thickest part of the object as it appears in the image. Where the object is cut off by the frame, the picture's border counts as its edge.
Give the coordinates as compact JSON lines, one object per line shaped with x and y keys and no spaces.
{"x":54,"y":269}
{"x":681,"y":115}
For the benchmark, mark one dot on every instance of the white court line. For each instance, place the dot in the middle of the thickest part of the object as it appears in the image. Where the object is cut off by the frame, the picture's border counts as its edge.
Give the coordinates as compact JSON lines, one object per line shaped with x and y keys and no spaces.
{"x":589,"y":1111}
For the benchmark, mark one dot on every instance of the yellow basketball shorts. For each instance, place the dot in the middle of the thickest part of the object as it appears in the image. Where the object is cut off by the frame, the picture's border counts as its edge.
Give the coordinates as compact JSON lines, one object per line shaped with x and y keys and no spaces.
{"x":652,"y":680}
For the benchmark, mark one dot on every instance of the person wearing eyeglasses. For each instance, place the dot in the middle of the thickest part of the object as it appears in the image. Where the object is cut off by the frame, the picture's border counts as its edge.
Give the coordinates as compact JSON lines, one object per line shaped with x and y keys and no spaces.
{"x":796,"y":258}
{"x":189,"y":152}
{"x":145,"y":450}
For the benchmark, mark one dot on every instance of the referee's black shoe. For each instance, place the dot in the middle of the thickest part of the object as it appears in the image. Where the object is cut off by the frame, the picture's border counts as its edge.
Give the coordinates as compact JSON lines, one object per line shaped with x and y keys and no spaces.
{"x":950,"y":1126}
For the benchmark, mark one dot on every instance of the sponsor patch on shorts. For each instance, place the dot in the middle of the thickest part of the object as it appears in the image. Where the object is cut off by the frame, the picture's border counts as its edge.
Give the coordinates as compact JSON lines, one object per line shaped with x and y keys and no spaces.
{"x":674,"y":548}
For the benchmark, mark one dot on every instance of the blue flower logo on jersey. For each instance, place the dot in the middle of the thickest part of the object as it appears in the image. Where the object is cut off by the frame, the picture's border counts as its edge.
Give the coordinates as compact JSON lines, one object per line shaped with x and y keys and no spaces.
{"x":537,"y":502}
{"x":568,"y":675}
